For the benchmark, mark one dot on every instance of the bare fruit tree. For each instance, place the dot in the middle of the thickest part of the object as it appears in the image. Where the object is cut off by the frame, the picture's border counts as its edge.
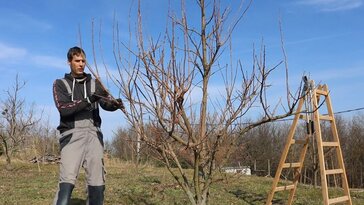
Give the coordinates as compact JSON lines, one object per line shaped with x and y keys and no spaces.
{"x":16,"y":121}
{"x":168,"y":93}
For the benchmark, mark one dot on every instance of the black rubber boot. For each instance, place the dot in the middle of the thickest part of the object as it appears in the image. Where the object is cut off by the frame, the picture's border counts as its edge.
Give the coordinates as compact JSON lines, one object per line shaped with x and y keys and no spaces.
{"x":96,"y":195}
{"x":64,"y":193}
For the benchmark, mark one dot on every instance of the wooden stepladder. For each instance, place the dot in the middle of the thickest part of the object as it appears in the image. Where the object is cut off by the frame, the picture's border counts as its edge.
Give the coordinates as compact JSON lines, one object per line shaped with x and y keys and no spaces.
{"x":312,"y":102}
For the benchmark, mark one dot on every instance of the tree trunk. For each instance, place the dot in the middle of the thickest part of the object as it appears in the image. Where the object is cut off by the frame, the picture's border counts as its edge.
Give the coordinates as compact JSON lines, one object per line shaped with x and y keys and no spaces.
{"x":361,"y":177}
{"x":8,"y":160}
{"x":315,"y":177}
{"x":204,"y":200}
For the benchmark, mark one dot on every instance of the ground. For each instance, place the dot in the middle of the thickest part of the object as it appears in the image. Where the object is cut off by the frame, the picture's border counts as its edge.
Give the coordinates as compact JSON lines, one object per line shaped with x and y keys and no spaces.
{"x":126,"y":184}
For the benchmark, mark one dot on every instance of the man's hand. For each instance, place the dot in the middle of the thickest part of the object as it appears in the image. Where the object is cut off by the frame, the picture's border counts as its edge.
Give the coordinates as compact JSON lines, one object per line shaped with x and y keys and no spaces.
{"x":119,"y":104}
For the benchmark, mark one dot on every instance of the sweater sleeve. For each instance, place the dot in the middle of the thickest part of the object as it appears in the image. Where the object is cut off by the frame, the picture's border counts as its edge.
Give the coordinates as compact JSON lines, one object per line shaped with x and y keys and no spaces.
{"x":106,"y":102}
{"x":63,"y":102}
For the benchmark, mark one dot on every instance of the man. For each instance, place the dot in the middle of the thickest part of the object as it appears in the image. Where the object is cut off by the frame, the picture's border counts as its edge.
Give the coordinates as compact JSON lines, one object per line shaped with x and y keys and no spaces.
{"x":77,"y":97}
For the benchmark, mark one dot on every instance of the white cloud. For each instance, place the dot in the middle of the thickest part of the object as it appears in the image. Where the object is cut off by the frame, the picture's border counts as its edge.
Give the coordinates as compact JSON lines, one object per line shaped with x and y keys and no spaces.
{"x":316,"y":38}
{"x":11,"y":53}
{"x":20,"y":56}
{"x":333,"y":5}
{"x":50,"y":62}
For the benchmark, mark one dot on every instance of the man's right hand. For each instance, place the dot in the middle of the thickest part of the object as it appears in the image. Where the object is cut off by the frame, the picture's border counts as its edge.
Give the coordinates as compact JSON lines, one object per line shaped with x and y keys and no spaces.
{"x":118,"y":103}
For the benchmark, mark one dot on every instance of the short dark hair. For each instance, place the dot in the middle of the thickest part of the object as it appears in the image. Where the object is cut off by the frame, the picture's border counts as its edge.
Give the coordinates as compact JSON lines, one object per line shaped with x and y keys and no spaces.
{"x":75,"y":51}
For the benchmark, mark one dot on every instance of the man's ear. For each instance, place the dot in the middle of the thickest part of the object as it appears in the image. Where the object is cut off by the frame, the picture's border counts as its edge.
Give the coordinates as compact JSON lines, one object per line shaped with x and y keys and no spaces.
{"x":68,"y":62}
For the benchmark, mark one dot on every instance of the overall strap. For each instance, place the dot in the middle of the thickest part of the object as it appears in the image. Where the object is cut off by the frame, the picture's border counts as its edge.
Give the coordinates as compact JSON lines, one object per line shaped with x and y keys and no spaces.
{"x":67,"y":86}
{"x":92,"y":91}
{"x":93,"y":86}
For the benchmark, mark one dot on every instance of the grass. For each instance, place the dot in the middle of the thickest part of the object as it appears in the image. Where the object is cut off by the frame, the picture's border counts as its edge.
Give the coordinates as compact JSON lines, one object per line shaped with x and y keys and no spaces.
{"x":146,"y":185}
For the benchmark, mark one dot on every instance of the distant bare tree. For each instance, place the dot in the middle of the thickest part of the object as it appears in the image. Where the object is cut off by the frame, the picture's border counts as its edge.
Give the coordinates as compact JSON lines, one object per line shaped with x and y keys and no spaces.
{"x":44,"y":139}
{"x":261,"y":144}
{"x":16,"y":121}
{"x":353,"y":151}
{"x":123,"y":145}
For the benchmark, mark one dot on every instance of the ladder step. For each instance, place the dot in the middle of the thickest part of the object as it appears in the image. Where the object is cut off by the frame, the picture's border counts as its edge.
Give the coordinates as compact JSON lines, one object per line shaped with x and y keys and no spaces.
{"x":321,"y":92}
{"x":291,"y":165}
{"x":338,"y":200}
{"x":334,"y":171}
{"x":294,"y":141}
{"x":282,"y":188}
{"x":326,"y":117}
{"x":330,"y":144}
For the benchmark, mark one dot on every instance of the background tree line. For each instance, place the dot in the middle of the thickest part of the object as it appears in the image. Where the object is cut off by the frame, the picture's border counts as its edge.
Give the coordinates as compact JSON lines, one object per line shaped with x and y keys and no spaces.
{"x":261,"y":149}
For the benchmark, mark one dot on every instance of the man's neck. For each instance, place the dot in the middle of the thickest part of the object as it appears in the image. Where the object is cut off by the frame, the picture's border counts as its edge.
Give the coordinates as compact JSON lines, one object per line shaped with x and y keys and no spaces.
{"x":78,"y":76}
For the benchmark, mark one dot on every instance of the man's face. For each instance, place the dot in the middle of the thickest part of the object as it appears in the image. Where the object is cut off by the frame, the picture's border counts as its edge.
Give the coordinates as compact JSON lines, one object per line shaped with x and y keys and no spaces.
{"x":77,"y":65}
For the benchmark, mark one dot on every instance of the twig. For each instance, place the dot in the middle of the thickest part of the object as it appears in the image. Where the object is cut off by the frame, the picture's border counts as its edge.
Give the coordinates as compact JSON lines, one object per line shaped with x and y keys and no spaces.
{"x":103,"y":87}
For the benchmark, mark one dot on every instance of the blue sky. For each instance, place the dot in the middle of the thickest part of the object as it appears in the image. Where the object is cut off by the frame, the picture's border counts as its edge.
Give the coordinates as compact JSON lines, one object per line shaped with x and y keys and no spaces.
{"x":323,"y":38}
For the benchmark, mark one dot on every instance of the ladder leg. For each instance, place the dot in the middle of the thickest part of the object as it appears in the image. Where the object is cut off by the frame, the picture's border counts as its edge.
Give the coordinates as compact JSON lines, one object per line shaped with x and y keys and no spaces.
{"x":285,"y":152}
{"x":339,"y":155}
{"x":298,"y":171}
{"x":318,"y":136}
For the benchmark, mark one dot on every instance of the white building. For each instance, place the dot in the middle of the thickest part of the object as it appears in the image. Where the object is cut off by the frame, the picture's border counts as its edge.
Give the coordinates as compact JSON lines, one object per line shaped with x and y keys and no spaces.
{"x":238,"y":170}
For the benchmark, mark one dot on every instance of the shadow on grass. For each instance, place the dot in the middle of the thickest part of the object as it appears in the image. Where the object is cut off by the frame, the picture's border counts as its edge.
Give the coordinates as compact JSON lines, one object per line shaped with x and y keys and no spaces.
{"x":253,"y":198}
{"x":77,"y":201}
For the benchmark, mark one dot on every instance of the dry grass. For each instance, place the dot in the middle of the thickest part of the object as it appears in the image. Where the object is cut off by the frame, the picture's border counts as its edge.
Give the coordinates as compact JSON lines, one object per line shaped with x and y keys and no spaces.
{"x":127,"y":184}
